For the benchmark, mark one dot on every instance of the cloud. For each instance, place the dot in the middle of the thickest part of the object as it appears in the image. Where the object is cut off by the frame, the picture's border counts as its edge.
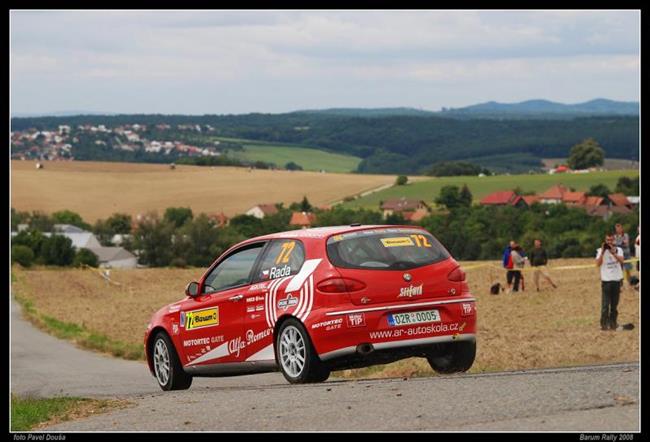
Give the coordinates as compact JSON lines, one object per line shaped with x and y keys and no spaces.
{"x":233,"y":54}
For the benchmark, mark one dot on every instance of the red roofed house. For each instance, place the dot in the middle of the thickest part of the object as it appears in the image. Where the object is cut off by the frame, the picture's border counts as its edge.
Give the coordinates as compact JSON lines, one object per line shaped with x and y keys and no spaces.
{"x":262,"y":210}
{"x":302,"y":219}
{"x":402,"y":205}
{"x":554,"y":195}
{"x":220,"y":219}
{"x":416,"y":216}
{"x":503,"y":198}
{"x":574,"y":198}
{"x":530,"y":199}
{"x":619,"y":200}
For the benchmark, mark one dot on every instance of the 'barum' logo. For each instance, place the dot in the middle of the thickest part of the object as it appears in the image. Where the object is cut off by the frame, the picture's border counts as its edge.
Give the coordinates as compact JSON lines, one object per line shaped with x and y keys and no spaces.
{"x":287,"y":302}
{"x":410,"y":291}
{"x":202,"y":318}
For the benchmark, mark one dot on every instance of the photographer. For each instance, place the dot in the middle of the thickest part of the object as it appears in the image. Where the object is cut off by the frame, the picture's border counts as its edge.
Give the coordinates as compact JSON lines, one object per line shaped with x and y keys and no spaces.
{"x":610,"y":258}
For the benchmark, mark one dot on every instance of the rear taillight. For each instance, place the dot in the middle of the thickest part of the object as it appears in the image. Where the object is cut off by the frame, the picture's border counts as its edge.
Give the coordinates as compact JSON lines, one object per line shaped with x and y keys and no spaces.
{"x":340,"y":285}
{"x":456,"y":275}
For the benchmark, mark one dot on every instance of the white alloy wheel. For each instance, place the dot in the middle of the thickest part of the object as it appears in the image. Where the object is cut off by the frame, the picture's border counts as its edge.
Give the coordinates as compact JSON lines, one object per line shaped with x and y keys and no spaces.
{"x":161,"y":362}
{"x":293,"y":351}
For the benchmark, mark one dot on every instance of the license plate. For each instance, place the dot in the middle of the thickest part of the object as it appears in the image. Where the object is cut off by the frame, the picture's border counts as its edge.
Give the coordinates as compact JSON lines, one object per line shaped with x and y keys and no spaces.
{"x":421,"y":317}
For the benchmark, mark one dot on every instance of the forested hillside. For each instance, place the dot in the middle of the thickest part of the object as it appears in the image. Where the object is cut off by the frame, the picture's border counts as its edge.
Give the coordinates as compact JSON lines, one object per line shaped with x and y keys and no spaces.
{"x":398,"y":144}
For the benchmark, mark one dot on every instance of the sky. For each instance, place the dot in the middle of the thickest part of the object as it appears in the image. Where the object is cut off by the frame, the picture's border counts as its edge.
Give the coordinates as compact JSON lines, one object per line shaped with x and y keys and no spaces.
{"x":234,"y":62}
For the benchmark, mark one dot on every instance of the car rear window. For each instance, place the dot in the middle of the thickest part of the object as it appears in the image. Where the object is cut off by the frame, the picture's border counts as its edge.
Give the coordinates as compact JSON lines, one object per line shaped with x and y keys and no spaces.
{"x":385,"y":249}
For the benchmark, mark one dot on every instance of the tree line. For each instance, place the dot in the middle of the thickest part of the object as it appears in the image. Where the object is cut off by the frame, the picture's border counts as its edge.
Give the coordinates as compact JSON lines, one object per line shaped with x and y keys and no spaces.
{"x":395,"y":144}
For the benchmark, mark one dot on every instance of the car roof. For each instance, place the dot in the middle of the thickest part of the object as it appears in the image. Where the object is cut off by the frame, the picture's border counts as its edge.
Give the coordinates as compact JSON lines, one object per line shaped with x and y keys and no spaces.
{"x":325,"y":232}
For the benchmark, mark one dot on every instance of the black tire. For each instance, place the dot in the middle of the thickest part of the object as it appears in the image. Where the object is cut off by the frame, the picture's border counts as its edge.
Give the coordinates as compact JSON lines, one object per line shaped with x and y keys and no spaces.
{"x":453,"y":357}
{"x":176,"y":378}
{"x":312,"y":369}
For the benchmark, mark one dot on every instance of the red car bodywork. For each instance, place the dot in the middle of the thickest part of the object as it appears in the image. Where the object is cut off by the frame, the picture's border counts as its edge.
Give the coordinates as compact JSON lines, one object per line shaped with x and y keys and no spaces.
{"x":348,"y":328}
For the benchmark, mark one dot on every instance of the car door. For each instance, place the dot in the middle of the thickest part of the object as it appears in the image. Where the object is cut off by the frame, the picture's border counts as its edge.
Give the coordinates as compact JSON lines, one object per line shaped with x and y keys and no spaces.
{"x":212,"y":322}
{"x":266,"y":299}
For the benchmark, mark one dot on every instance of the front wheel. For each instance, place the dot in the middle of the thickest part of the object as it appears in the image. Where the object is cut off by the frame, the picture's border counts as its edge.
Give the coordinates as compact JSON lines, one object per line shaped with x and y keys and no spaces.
{"x":167,"y":367}
{"x":453,"y":357}
{"x":297,"y":358}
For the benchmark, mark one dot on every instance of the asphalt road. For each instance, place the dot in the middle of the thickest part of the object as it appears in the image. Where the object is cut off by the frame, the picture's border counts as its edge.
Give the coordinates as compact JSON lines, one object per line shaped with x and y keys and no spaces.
{"x":597,"y":398}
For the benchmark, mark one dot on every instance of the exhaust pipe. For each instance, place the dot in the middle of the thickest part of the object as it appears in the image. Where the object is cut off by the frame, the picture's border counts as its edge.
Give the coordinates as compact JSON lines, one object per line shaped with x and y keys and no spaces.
{"x":365,"y":349}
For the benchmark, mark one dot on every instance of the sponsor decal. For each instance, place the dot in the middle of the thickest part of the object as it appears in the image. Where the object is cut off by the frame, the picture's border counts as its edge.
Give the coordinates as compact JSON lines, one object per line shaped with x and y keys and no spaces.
{"x":250,"y":309}
{"x":467,"y":309}
{"x":256,"y":316}
{"x":398,"y":241}
{"x":182,"y":319}
{"x":356,"y":320}
{"x":207,"y":317}
{"x":174,"y":308}
{"x":410,"y":291}
{"x":414,"y":331}
{"x":194,"y":342}
{"x":332,"y":324}
{"x":255,"y":299}
{"x":287,"y":302}
{"x":337,"y":237}
{"x":259,"y":308}
{"x":279,"y":272}
{"x":174,"y":328}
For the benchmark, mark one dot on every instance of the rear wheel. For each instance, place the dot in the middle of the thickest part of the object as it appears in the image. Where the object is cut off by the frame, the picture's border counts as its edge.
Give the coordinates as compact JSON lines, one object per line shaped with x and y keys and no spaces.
{"x":297,"y":358}
{"x":452,"y":357}
{"x":167,"y":367}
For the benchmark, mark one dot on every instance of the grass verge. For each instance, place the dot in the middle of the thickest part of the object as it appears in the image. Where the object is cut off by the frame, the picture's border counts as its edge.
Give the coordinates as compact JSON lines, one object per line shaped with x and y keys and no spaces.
{"x":35,"y":413}
{"x":78,"y":333}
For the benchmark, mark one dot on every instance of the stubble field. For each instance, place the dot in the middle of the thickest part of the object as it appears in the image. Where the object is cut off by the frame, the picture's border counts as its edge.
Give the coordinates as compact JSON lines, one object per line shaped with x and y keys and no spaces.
{"x":531,"y":329}
{"x":98,"y":189}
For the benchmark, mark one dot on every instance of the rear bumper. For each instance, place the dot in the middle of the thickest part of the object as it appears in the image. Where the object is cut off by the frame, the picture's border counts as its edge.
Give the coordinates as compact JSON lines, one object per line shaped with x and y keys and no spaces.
{"x":338,"y":333}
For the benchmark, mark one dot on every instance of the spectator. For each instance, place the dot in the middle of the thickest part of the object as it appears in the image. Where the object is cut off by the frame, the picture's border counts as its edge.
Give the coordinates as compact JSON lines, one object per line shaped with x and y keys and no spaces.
{"x":622,"y":240}
{"x":609,"y":258}
{"x":518,"y":260}
{"x":513,"y":261}
{"x":538,"y":259}
{"x":637,"y":249}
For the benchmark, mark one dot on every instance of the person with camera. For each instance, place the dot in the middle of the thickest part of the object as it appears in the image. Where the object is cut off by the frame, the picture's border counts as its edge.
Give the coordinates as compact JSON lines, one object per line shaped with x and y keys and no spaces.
{"x":609,"y":258}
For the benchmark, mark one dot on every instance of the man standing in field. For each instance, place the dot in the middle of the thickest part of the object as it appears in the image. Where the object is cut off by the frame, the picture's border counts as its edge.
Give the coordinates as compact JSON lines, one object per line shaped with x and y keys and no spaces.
{"x":609,"y":258}
{"x":538,"y":261}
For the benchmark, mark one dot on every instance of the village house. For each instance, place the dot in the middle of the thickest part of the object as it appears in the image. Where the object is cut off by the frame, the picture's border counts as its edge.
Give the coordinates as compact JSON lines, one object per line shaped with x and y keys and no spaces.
{"x":504,"y":198}
{"x":262,"y":210}
{"x":302,"y":219}
{"x":402,"y":205}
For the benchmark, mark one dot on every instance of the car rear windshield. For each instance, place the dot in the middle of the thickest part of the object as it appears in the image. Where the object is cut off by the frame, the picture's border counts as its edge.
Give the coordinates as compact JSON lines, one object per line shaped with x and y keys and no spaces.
{"x":385,"y":249}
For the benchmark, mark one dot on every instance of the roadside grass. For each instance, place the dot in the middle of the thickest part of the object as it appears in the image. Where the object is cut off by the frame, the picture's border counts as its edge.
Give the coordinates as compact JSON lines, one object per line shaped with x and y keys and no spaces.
{"x":428,"y":189}
{"x":550,"y":328}
{"x":29,"y":413}
{"x":78,"y":333}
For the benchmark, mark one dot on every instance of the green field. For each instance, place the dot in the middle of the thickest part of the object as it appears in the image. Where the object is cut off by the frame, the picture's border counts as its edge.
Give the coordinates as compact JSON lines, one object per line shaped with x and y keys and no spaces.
{"x":308,"y":159}
{"x":428,"y":190}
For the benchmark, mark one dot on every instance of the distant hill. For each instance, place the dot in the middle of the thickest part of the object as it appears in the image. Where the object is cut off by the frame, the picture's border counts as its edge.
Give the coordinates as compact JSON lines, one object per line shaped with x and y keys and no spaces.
{"x":369,"y":112}
{"x":545,"y":108}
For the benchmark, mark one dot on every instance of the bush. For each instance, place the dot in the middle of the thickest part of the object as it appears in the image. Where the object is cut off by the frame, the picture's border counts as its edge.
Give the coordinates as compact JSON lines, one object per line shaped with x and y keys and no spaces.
{"x":85,"y":257}
{"x":23,"y":255}
{"x":57,"y":250}
{"x":401,"y":180}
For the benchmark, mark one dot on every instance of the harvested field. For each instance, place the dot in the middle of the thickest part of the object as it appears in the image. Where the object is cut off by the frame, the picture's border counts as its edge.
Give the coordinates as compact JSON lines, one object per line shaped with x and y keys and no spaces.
{"x":98,"y":189}
{"x":527,"y":330}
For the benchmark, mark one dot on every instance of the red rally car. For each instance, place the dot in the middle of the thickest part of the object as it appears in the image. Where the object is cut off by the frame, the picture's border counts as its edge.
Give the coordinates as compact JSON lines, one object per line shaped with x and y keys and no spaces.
{"x":316,"y":300}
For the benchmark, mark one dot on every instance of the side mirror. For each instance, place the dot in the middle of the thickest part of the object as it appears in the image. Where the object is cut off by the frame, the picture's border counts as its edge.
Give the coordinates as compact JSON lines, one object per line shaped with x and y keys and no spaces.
{"x":192,"y":289}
